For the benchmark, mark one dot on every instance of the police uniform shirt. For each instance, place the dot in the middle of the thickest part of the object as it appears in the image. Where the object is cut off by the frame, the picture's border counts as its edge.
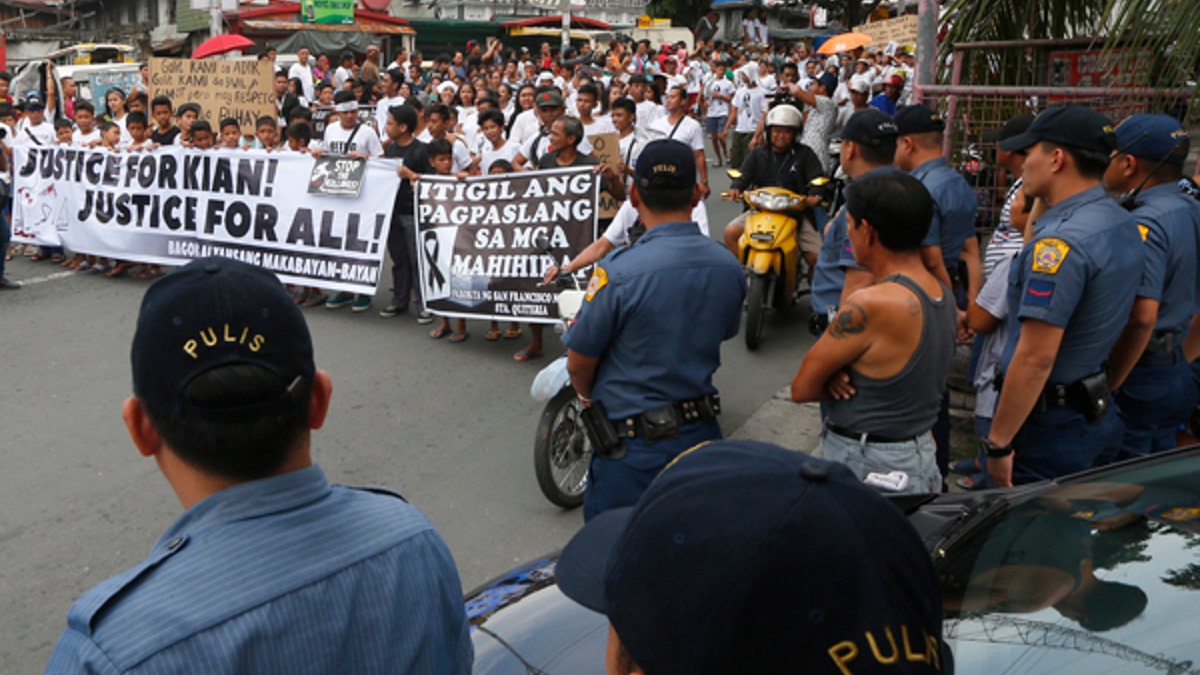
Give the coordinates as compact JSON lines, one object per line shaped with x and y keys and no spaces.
{"x":1169,"y":224}
{"x":835,"y":257}
{"x":1076,"y":274}
{"x":655,"y":315}
{"x":955,"y":204}
{"x":286,"y":574}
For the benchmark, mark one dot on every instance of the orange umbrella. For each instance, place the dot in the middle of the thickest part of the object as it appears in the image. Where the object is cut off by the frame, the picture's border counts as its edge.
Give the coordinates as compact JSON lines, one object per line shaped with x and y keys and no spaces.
{"x":844,"y":43}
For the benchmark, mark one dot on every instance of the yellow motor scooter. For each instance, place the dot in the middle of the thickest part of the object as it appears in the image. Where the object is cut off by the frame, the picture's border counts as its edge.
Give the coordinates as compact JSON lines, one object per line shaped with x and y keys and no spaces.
{"x":768,"y":250}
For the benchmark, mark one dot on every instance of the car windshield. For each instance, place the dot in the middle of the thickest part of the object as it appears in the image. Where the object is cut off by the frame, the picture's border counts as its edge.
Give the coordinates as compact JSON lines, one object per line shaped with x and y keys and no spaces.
{"x":1096,"y":575}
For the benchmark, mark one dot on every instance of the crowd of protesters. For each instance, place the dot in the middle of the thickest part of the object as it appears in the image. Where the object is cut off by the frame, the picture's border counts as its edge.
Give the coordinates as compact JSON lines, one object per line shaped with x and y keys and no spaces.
{"x":481,"y":101}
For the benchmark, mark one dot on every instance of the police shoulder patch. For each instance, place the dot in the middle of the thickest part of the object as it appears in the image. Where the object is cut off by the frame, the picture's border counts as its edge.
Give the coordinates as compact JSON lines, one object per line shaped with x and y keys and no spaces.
{"x":1143,"y":230}
{"x":1048,"y":255}
{"x":599,"y":280}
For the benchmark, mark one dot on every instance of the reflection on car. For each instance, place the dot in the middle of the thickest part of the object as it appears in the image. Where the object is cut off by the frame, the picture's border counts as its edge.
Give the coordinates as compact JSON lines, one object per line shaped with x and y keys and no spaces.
{"x":1093,"y":573}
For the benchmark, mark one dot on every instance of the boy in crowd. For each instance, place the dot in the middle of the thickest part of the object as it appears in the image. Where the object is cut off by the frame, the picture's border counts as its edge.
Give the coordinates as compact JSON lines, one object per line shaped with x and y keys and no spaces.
{"x":441,"y":158}
{"x":400,"y":128}
{"x":165,"y":132}
{"x":299,"y":134}
{"x":139,"y":132}
{"x":202,"y":135}
{"x":231,"y":134}
{"x":87,"y":134}
{"x":187,"y":115}
{"x":267,"y":132}
{"x":63,"y":130}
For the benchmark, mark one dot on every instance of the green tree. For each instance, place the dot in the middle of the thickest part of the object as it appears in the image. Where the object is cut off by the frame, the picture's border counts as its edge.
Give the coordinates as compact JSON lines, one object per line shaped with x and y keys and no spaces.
{"x":1167,"y":29}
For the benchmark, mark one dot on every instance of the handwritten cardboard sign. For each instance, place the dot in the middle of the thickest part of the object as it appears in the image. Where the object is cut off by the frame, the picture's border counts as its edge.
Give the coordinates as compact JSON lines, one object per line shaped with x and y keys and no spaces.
{"x":243,"y":90}
{"x":607,"y":149}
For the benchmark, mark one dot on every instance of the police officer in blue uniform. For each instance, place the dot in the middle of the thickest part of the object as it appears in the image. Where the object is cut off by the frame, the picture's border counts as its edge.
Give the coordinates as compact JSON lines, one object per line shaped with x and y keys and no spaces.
{"x":647,"y":341}
{"x":1069,"y":298}
{"x":1156,"y":393}
{"x":951,"y":236}
{"x":868,"y":145}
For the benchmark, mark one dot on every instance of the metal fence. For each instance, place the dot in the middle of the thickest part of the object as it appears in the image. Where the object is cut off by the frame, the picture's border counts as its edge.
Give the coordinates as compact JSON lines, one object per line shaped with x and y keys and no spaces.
{"x":992,"y":82}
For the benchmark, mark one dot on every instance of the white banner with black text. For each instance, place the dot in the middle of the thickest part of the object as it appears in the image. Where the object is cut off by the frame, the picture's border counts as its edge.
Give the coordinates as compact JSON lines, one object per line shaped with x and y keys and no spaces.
{"x":173,"y":205}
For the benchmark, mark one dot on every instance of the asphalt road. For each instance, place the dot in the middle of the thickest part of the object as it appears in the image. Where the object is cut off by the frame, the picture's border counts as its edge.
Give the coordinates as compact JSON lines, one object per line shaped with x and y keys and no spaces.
{"x":449,"y":426}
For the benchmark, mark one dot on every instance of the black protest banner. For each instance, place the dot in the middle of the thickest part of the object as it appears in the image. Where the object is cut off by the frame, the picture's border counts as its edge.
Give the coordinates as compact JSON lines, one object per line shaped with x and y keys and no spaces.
{"x":475,"y":240}
{"x":337,"y":175}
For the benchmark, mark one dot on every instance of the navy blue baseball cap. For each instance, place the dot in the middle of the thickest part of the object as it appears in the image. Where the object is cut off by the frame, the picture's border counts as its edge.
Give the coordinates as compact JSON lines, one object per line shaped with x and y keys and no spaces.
{"x":665,"y":164}
{"x":743,"y":557}
{"x":918,"y":119}
{"x":1072,"y":125}
{"x":870,"y":126}
{"x":829,"y":81}
{"x":34,"y":100}
{"x":1153,"y":137}
{"x":216,"y":312}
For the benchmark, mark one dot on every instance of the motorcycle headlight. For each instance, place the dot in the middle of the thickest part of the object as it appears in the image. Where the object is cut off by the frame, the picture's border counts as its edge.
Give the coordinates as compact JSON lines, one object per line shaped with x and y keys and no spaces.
{"x":768,"y":202}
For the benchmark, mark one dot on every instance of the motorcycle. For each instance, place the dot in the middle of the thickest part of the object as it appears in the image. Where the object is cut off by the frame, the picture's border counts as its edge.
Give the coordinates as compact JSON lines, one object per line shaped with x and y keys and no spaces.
{"x":768,"y":251}
{"x":562,"y":451}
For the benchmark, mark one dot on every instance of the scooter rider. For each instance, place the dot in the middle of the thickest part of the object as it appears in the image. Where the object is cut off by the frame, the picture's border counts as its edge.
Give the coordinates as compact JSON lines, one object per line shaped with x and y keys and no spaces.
{"x":782,"y":162}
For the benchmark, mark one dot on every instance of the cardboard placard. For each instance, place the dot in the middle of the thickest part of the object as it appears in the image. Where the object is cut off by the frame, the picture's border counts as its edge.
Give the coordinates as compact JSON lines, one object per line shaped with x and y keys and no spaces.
{"x":607,"y":149}
{"x":901,"y":30}
{"x":244,"y":90}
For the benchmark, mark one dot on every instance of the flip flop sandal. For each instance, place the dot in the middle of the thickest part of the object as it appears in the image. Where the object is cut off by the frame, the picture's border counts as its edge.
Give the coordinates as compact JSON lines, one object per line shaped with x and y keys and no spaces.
{"x":459,"y":337}
{"x":492,"y":335}
{"x":511,"y":334}
{"x":439,"y":332}
{"x":525,"y":355}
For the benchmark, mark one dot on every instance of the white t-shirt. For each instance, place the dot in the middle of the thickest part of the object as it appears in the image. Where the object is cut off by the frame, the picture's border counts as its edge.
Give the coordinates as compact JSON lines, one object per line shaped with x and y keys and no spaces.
{"x":542,"y":142}
{"x":688,"y":131}
{"x":80,"y":138}
{"x":617,"y":232}
{"x":305,"y":74}
{"x":993,"y":299}
{"x":719,"y":107}
{"x":749,"y":103}
{"x":365,"y":140}
{"x":44,"y":133}
{"x":489,"y":155}
{"x":648,"y":111}
{"x":381,"y":110}
{"x":695,"y":76}
{"x":459,"y":149}
{"x":599,"y":125}
{"x":340,"y":76}
{"x":767,"y":82}
{"x":525,"y":127}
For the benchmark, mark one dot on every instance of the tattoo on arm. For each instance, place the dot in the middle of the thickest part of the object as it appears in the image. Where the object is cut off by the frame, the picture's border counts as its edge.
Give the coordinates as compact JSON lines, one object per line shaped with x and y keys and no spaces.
{"x":914,"y":307}
{"x":850,"y":320}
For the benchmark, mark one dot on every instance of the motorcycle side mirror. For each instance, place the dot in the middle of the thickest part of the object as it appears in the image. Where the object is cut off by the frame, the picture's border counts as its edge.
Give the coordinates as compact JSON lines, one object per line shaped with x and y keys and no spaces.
{"x":542,"y":243}
{"x":733,"y":173}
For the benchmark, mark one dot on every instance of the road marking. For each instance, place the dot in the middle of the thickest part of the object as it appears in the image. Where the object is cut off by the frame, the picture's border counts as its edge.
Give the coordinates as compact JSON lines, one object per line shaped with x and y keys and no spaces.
{"x":48,"y":277}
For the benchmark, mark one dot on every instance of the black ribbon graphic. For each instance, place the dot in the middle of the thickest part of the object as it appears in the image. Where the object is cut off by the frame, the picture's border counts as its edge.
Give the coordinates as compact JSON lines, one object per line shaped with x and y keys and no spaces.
{"x":431,"y":260}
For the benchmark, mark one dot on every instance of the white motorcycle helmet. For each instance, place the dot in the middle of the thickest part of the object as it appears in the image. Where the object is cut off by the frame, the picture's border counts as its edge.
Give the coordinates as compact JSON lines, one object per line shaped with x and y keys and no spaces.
{"x":785,"y":116}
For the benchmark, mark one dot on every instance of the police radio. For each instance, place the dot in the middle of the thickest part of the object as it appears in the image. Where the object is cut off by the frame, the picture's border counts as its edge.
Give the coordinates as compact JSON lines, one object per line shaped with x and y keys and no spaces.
{"x":1128,"y":200}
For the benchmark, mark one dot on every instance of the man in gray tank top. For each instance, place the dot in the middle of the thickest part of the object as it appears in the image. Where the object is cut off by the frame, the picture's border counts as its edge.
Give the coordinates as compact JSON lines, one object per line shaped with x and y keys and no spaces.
{"x":883,"y":362}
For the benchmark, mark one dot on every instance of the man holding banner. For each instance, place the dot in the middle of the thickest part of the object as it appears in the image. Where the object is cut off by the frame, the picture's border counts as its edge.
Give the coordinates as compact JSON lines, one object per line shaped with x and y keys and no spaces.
{"x":647,"y":341}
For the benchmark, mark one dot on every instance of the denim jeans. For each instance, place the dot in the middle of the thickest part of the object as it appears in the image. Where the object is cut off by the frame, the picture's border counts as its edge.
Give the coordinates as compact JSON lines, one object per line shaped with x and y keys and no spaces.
{"x":914,"y":457}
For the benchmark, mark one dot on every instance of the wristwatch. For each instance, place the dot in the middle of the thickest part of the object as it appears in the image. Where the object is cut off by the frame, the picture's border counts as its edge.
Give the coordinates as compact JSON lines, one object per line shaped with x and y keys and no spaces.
{"x":992,"y":450}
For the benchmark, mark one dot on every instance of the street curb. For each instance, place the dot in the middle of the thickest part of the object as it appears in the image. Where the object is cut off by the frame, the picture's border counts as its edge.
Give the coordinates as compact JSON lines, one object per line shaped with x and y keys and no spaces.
{"x":782,"y":421}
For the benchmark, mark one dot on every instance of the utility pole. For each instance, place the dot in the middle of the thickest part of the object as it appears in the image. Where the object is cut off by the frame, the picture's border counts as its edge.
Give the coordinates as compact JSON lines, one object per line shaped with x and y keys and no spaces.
{"x":215,"y":19}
